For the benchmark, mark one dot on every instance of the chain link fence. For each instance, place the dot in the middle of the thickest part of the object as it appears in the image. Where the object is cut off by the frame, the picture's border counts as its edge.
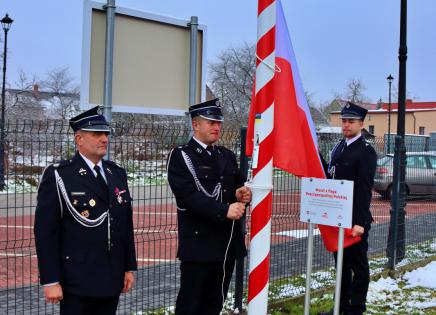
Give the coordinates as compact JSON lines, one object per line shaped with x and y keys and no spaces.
{"x":142,"y":149}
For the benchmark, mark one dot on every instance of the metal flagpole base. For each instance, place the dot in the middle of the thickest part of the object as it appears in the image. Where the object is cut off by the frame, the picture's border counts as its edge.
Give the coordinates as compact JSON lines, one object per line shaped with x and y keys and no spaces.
{"x":309,"y":269}
{"x":339,"y":261}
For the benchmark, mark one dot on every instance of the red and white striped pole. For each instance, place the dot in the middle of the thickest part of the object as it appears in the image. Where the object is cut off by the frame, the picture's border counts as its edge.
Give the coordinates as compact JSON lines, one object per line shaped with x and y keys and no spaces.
{"x":260,"y":232}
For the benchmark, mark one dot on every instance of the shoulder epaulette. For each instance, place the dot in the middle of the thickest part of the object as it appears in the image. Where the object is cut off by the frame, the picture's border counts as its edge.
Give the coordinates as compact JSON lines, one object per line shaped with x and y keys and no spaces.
{"x":112,"y":163}
{"x":62,"y":163}
{"x":223,"y":148}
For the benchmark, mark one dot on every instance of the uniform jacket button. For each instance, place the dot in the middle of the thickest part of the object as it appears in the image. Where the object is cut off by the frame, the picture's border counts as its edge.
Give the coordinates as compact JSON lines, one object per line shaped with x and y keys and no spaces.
{"x":196,"y":232}
{"x":67,"y":257}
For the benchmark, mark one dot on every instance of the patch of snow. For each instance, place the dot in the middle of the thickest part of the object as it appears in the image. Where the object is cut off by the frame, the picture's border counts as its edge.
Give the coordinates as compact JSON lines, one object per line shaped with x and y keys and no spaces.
{"x":422,"y":277}
{"x":380,"y":290}
{"x":384,"y":284}
{"x":290,"y":290}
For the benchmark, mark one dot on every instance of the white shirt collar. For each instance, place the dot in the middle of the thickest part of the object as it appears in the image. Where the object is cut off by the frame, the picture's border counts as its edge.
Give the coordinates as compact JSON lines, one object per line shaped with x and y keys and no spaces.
{"x":203,"y":145}
{"x":350,"y":141}
{"x":91,"y":166}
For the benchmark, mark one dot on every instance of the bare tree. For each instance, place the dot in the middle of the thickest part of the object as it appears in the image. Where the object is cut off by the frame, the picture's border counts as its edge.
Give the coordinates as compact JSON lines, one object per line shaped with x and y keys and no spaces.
{"x":409,"y":95}
{"x":318,"y":116}
{"x":23,"y":102}
{"x":64,"y":100}
{"x":355,"y":91}
{"x":232,"y":79}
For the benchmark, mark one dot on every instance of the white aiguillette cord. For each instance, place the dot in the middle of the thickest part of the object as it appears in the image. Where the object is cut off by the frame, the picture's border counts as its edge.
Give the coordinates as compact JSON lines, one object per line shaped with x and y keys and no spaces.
{"x":216,"y":194}
{"x":90,"y":223}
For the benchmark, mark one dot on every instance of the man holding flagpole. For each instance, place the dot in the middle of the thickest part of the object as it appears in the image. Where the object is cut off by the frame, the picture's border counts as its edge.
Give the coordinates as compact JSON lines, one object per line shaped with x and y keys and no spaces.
{"x":211,"y":199}
{"x":354,"y":159}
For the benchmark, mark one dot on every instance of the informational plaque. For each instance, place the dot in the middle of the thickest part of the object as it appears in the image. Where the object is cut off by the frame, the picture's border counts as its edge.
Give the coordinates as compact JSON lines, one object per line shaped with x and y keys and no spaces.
{"x":327,"y":202}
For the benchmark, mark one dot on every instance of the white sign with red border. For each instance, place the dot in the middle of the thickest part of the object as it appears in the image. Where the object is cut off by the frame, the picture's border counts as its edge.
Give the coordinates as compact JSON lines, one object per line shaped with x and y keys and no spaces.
{"x":327,"y":202}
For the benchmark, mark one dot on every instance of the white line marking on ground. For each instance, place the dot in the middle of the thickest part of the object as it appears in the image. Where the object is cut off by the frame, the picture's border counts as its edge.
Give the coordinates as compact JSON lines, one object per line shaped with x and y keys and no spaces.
{"x":155,"y":213}
{"x":154,"y":231}
{"x":138,"y":259}
{"x":16,"y":255}
{"x":135,"y":230}
{"x":154,"y":260}
{"x":297,"y":233}
{"x":17,"y":226}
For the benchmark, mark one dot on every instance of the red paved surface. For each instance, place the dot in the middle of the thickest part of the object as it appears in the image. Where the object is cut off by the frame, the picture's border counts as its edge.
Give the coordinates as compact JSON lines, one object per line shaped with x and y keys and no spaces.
{"x":155,"y":234}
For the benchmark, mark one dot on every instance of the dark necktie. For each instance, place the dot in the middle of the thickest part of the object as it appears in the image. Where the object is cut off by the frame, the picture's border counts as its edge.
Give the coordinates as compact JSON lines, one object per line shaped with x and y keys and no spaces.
{"x":211,"y":150}
{"x":100,"y":178}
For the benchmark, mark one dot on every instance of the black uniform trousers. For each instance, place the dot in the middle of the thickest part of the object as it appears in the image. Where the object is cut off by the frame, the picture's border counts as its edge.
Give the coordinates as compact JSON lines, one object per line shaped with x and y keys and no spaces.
{"x":355,"y":276}
{"x":202,"y":288}
{"x":73,"y":304}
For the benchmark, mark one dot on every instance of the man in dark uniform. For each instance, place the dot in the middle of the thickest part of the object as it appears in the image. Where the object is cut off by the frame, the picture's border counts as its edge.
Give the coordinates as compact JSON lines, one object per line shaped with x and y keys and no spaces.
{"x":83,"y":225}
{"x":210,"y":200}
{"x":354,"y":159}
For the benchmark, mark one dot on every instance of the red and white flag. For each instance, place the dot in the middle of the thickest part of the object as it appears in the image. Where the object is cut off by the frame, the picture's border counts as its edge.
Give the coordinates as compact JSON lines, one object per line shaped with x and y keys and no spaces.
{"x":295,"y":144}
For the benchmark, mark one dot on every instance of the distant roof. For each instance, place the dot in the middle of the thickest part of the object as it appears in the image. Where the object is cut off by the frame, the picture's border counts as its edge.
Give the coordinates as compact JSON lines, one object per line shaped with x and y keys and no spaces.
{"x":37,"y":93}
{"x":368,"y":106}
{"x":318,"y":118}
{"x":410,"y":104}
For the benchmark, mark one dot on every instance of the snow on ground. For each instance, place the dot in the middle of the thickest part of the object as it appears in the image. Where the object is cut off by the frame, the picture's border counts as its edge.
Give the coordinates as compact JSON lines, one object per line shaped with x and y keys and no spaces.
{"x":423,"y":277}
{"x":412,"y":292}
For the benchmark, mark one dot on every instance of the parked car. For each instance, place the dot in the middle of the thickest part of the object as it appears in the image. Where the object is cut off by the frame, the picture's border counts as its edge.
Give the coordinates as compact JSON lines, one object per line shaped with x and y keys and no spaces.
{"x":420,"y":174}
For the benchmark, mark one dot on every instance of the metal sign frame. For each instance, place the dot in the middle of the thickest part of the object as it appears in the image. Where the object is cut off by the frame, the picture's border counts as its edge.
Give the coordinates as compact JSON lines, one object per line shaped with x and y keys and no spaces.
{"x":85,"y":92}
{"x":340,"y":252}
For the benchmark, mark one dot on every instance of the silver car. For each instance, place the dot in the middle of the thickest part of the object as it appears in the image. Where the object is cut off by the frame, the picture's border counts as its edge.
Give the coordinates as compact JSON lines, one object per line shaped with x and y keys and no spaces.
{"x":420,"y":174}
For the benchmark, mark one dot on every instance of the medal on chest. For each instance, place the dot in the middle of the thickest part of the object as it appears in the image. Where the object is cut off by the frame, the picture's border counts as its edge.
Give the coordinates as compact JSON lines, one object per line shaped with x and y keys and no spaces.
{"x":118,"y":193}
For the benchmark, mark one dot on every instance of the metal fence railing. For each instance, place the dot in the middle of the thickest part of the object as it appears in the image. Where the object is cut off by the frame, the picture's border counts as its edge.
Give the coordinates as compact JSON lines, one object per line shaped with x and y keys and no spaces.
{"x":142,"y":150}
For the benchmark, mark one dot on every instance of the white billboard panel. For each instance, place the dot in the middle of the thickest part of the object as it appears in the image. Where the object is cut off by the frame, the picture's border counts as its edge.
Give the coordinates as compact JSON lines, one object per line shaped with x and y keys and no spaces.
{"x":150,"y":62}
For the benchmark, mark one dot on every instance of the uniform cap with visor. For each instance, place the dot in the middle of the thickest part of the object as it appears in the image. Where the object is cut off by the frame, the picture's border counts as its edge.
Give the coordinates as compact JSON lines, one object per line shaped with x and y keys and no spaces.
{"x":90,"y":120}
{"x":353,"y":111}
{"x":210,"y":110}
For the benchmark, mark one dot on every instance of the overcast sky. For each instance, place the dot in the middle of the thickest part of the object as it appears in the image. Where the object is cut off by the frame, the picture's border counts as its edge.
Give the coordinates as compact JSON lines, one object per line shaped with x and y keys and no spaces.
{"x":334,"y":41}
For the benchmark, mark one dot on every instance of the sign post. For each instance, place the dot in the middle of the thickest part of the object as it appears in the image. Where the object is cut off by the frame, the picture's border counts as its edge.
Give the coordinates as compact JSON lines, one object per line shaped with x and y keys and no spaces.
{"x":326,"y":202}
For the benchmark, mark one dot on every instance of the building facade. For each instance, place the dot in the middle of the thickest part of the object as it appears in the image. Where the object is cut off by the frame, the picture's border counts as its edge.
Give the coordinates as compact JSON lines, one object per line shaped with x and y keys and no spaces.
{"x":420,"y":118}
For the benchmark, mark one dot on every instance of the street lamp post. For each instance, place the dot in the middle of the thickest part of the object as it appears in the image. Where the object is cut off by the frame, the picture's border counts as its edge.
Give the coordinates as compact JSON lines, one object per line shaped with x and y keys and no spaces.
{"x":389,"y":78}
{"x":6,"y":25}
{"x":397,"y":229}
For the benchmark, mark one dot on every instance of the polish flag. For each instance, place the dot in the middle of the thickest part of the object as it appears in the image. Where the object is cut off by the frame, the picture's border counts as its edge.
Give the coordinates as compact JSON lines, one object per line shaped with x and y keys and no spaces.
{"x":295,"y":147}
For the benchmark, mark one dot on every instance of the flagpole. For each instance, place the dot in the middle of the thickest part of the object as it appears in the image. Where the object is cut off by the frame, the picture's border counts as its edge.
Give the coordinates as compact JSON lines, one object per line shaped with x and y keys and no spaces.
{"x":262,"y":166}
{"x":309,"y":269}
{"x":339,"y":264}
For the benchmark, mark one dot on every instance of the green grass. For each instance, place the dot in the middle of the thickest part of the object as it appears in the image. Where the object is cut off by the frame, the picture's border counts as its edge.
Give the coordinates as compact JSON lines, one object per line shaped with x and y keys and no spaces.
{"x":400,"y":301}
{"x":286,"y":296}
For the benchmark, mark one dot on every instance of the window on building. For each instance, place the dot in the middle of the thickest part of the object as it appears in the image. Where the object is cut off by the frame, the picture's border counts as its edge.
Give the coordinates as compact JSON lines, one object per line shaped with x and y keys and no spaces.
{"x":371,"y":129}
{"x":422,"y":130}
